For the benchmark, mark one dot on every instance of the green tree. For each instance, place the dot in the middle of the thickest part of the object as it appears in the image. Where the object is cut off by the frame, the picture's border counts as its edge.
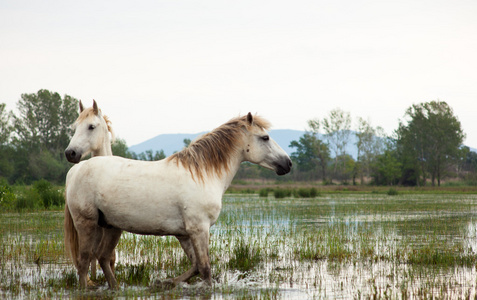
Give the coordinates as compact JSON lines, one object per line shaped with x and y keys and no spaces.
{"x":431,"y":138}
{"x":5,"y":126}
{"x":149,"y":155}
{"x":42,"y":132}
{"x":387,"y":168}
{"x":370,"y":143}
{"x":6,"y":150}
{"x":469,"y":160}
{"x":346,"y":169}
{"x":311,"y":153}
{"x":337,"y":131}
{"x":187,"y":142}
{"x":159,"y":155}
{"x":45,"y":121}
{"x":469,"y":165}
{"x":120,"y":148}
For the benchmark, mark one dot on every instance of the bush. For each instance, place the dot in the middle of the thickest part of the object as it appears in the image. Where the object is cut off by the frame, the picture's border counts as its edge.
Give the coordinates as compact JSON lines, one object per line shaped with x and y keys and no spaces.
{"x":305,"y":193}
{"x":314,"y":192}
{"x":28,"y":200}
{"x":392,"y":192}
{"x":41,"y":195}
{"x":263,"y":193}
{"x":48,"y":195}
{"x":7,"y":197}
{"x":301,"y":193}
{"x":282,"y":193}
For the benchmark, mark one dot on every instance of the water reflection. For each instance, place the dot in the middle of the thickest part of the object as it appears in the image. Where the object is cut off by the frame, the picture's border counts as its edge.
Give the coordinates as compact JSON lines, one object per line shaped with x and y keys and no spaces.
{"x":394,"y":225}
{"x":374,"y":237}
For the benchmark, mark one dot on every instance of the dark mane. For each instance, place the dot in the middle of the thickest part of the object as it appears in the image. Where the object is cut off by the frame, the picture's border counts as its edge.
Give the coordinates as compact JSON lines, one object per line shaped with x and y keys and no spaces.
{"x":210,"y":154}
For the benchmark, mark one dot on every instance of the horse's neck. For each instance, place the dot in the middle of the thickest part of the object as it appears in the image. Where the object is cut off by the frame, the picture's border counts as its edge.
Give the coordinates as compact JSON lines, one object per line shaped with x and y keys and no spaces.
{"x":234,"y":165}
{"x":105,"y":149}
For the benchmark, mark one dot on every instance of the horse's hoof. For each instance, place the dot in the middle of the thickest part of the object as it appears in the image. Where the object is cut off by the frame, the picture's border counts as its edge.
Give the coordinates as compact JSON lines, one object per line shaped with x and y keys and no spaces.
{"x":164,"y":284}
{"x":92,"y":284}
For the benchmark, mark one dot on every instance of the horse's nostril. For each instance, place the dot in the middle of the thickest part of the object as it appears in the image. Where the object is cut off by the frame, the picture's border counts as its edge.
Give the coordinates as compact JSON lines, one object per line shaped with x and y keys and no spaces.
{"x":72,"y":156}
{"x":70,"y":153}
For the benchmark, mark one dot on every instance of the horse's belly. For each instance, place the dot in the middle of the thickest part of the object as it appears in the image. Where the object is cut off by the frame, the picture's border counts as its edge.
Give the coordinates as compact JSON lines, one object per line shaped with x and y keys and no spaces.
{"x":154,"y":222}
{"x":139,"y":210}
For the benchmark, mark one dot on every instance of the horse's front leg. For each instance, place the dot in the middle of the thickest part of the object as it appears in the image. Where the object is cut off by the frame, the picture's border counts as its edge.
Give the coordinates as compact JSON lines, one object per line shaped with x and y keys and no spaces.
{"x":186,"y":244}
{"x":86,"y":236}
{"x":200,"y":243}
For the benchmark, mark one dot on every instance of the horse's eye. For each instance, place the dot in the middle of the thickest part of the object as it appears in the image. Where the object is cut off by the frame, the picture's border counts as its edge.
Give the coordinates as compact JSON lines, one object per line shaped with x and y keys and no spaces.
{"x":265,"y":137}
{"x":91,"y":127}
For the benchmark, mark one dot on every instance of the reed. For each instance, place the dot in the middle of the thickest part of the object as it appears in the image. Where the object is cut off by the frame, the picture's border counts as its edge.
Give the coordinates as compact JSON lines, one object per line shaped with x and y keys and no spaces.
{"x":337,"y":246}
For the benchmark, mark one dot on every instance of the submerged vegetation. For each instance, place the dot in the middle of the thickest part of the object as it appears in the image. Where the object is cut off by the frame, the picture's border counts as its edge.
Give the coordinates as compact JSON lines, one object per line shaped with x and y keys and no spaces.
{"x":337,"y":245}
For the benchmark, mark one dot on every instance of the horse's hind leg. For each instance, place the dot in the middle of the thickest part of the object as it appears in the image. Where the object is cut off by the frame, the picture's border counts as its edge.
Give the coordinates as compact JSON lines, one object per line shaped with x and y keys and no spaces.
{"x":107,"y":255}
{"x":113,"y":260}
{"x":96,"y":251}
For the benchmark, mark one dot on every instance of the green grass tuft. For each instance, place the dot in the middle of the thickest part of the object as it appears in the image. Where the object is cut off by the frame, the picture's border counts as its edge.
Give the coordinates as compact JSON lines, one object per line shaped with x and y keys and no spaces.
{"x":245,"y":257}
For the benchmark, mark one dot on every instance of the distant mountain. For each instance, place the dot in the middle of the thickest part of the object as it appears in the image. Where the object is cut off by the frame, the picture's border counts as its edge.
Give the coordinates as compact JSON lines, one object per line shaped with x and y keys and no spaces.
{"x":171,"y":143}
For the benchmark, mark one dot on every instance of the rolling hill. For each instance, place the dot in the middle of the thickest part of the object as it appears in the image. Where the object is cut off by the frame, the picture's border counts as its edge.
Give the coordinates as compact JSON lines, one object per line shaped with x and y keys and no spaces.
{"x":171,"y":143}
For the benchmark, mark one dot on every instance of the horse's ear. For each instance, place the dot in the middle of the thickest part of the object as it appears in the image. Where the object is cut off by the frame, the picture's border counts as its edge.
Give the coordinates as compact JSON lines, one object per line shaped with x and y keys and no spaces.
{"x":81,"y":107}
{"x":250,"y":118}
{"x":95,"y":107}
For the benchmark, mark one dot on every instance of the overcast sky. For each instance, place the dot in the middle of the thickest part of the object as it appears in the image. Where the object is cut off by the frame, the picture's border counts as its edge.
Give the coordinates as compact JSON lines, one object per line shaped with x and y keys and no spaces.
{"x":188,"y":66}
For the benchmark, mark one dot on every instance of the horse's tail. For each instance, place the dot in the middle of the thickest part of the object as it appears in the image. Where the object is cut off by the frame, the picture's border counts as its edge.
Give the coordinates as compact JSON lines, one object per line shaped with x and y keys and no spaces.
{"x":71,"y":236}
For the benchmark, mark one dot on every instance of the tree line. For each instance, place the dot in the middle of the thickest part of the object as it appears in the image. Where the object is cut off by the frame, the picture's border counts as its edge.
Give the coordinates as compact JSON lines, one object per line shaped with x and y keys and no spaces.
{"x":425,"y":148}
{"x":32,"y":141}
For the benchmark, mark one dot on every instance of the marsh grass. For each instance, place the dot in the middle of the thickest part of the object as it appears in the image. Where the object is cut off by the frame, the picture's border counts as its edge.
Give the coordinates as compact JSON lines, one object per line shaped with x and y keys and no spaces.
{"x":245,"y":257}
{"x":139,"y":274}
{"x":338,"y":246}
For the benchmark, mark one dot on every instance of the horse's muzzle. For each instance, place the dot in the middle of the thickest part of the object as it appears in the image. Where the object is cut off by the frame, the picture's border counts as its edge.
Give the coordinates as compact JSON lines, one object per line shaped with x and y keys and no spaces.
{"x":72,"y":156}
{"x":284,"y":167}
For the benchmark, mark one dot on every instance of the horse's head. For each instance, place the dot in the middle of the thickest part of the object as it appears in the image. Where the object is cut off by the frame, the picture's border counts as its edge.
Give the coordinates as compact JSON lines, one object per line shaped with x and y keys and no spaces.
{"x":91,"y":135}
{"x":262,"y":150}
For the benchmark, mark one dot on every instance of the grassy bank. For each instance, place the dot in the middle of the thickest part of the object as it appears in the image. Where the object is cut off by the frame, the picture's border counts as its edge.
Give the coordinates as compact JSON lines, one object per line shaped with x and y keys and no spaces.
{"x":255,"y":187}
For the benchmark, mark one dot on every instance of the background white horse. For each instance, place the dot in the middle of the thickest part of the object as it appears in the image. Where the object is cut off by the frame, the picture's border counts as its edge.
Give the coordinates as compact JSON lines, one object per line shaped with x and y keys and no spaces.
{"x":180,"y":195}
{"x":92,"y":130}
{"x":93,"y":134}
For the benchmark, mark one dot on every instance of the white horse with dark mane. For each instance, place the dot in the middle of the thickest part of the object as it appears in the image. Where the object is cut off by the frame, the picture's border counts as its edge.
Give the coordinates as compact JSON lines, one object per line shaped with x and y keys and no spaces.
{"x":93,"y":134}
{"x":180,"y":195}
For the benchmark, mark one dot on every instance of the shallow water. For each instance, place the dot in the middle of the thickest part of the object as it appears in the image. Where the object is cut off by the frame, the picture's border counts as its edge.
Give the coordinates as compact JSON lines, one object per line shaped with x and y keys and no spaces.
{"x":390,"y":223}
{"x":361,"y":245}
